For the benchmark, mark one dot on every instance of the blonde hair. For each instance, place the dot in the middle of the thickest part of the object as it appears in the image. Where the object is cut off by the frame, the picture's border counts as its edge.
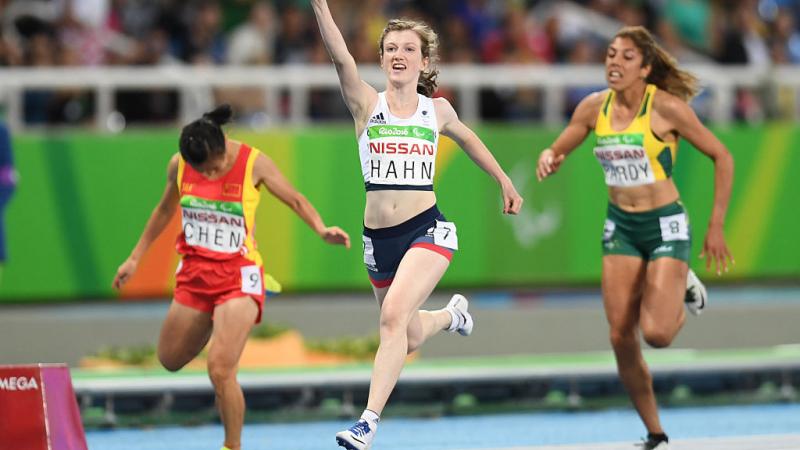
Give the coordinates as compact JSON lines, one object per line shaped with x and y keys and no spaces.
{"x":664,"y":70}
{"x":430,"y":49}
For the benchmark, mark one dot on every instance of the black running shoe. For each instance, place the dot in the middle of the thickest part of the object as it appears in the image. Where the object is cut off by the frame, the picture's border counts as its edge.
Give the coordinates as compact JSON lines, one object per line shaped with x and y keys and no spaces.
{"x":655,"y":442}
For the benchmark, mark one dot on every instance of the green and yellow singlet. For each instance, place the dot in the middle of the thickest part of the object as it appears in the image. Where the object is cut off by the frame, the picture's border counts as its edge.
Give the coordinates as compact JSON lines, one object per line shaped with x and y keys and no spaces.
{"x":634,"y":156}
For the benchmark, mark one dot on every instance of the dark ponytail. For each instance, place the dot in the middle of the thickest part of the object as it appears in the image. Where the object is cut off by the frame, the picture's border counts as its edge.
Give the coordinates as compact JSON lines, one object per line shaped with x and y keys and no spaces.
{"x":221,"y":115}
{"x":203,"y":138}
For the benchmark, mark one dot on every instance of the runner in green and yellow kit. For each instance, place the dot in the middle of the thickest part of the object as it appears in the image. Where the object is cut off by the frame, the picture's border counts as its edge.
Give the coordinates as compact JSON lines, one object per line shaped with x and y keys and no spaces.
{"x":647,"y":240}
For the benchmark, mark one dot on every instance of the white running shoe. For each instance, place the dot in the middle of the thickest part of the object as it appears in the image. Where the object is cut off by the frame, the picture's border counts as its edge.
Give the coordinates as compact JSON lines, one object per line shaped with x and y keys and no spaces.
{"x":357,"y":437}
{"x":696,"y":295}
{"x":462,"y":319}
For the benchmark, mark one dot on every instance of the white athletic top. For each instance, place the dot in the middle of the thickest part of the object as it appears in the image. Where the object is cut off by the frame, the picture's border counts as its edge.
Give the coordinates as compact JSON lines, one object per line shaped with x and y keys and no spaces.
{"x":399,"y":154}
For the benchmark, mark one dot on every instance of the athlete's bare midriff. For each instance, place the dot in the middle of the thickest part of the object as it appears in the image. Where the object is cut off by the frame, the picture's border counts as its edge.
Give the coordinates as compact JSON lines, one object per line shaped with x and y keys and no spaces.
{"x":390,"y":208}
{"x":644,"y":198}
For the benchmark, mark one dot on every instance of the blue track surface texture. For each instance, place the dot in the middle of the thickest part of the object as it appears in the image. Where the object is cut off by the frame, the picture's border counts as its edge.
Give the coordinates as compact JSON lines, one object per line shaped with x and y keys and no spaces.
{"x":475,"y":432}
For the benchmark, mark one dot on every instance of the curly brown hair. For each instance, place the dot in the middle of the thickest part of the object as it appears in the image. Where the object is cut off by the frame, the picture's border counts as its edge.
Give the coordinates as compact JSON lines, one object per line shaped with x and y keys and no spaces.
{"x":430,"y":49}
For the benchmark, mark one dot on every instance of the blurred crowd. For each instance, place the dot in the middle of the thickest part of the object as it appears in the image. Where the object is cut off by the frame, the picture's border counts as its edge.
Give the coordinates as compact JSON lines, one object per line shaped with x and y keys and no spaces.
{"x":44,"y":33}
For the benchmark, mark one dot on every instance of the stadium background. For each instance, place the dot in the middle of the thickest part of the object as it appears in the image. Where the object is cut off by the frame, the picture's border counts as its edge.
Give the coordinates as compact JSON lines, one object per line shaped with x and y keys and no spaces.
{"x":91,"y":202}
{"x":90,"y":148}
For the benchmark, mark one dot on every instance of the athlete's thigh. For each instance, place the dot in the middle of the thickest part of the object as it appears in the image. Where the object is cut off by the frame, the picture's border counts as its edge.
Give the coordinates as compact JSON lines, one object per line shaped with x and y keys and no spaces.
{"x":184,"y":333}
{"x":380,"y":294}
{"x":419,"y":272}
{"x":622,"y":284}
{"x":414,"y":325}
{"x":233,"y":321}
{"x":665,"y":289}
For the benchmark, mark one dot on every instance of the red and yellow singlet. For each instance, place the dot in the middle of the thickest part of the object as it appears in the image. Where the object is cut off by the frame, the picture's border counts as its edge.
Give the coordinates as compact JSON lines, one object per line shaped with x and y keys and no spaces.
{"x":218,"y":216}
{"x":220,"y":258}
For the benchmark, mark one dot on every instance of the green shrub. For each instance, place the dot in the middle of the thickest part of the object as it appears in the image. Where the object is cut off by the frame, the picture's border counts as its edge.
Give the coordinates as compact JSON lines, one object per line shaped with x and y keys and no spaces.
{"x":356,"y":347}
{"x":269,"y":330}
{"x":136,"y":355}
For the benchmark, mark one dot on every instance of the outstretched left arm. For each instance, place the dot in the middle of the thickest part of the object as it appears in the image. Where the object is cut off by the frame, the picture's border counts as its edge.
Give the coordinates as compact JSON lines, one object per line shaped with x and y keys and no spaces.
{"x":686,"y":123}
{"x":452,"y":127}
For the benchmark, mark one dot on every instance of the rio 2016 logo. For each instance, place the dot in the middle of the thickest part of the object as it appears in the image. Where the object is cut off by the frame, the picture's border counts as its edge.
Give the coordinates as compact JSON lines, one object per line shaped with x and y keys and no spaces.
{"x":393,"y":132}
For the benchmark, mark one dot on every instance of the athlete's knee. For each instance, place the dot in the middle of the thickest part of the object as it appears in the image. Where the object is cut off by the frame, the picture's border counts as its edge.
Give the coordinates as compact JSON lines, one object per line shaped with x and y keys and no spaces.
{"x":658,"y":337}
{"x":393,"y":321}
{"x":657,"y":334}
{"x":170,"y":362}
{"x":171,"y":359}
{"x":221,"y":371}
{"x":621,"y":338}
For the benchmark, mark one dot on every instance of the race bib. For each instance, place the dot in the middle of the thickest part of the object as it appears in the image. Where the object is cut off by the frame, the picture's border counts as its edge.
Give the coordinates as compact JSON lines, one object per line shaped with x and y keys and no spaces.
{"x":213,"y":225}
{"x":444,"y":235}
{"x":624,"y":160}
{"x":608,"y":229}
{"x":251,"y":280}
{"x":369,"y":254}
{"x":674,"y":228}
{"x":400,"y":155}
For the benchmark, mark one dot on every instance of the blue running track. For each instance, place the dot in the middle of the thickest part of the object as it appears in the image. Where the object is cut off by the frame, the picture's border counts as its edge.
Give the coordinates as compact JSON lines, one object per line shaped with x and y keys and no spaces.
{"x":475,"y":432}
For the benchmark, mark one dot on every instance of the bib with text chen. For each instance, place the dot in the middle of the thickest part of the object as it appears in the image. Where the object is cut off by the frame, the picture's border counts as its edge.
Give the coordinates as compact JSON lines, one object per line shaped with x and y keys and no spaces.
{"x":214,"y":225}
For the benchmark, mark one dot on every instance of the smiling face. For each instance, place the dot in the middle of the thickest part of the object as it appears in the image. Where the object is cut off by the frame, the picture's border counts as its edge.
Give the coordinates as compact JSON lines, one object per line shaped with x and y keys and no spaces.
{"x":401,"y":57}
{"x":624,"y":64}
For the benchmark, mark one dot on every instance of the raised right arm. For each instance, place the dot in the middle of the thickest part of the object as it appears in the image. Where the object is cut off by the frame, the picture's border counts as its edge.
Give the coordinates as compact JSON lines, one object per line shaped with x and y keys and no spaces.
{"x":358,"y":95}
{"x":159,"y":219}
{"x":582,"y":122}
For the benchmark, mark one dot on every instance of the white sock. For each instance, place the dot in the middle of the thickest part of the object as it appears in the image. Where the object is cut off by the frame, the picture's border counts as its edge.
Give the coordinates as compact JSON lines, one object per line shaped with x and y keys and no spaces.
{"x":455,"y":320}
{"x":371,"y":417}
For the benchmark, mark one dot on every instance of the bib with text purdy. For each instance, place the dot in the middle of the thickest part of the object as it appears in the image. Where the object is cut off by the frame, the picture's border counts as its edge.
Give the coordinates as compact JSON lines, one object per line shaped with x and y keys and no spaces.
{"x":634,"y":156}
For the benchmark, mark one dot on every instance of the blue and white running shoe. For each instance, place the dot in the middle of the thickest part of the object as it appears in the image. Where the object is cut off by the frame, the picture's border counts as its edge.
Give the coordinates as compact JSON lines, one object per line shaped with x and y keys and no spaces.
{"x":357,"y":437}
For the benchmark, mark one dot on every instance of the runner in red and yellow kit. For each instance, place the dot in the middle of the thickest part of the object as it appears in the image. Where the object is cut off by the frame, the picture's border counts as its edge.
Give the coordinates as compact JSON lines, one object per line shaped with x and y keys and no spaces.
{"x":219,"y":290}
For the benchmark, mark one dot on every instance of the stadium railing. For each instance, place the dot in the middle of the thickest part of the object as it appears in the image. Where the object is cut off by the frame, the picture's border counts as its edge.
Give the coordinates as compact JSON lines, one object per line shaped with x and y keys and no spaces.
{"x":194,"y":86}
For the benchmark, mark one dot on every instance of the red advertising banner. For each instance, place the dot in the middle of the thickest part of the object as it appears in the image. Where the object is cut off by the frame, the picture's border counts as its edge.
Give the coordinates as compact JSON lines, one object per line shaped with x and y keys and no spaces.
{"x":38,"y":410}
